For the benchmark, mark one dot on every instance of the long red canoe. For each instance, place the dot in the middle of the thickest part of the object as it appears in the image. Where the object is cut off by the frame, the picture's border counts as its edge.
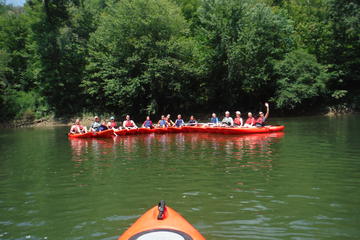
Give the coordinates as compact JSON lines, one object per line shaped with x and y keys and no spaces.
{"x":159,"y":223}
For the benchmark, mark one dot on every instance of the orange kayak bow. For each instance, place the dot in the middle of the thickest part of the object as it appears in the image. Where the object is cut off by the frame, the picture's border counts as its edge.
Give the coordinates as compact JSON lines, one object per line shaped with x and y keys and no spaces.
{"x":161,"y":222}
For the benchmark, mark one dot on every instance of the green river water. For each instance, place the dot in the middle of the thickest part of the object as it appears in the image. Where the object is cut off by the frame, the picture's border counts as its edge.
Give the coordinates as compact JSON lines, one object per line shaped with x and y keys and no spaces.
{"x":300,"y":184}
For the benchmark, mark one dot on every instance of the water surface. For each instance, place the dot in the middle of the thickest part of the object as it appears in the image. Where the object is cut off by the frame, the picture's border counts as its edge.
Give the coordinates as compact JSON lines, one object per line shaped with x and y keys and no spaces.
{"x":300,"y":184}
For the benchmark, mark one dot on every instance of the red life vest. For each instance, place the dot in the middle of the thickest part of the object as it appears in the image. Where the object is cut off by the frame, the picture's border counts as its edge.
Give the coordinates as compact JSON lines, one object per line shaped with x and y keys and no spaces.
{"x":260,"y":120}
{"x":237,"y":121}
{"x":113,"y":124}
{"x":129,"y":123}
{"x":250,"y":121}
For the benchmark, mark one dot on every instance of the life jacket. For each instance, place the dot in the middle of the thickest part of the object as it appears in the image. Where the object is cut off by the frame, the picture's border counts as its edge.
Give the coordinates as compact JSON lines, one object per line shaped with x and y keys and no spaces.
{"x":129,"y":123}
{"x":163,"y":123}
{"x":260,"y":121}
{"x":75,"y":128}
{"x":179,"y":122}
{"x":250,"y":121}
{"x":148,"y":123}
{"x":237,"y":121}
{"x":102,"y":128}
{"x":113,"y":124}
{"x":227,"y":121}
{"x":214,"y":120}
{"x":95,"y":125}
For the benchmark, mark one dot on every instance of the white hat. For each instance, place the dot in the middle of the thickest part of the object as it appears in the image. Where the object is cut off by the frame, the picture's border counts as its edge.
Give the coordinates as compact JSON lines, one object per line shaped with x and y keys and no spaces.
{"x":238,"y":112}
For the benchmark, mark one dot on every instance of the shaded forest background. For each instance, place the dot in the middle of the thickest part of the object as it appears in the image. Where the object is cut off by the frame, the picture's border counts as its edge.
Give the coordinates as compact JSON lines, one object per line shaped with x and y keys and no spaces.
{"x":67,"y":57}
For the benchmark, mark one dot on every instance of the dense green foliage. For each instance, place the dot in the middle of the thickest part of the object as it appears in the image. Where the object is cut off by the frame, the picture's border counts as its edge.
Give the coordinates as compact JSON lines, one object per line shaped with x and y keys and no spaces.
{"x":157,"y":56}
{"x":140,"y":56}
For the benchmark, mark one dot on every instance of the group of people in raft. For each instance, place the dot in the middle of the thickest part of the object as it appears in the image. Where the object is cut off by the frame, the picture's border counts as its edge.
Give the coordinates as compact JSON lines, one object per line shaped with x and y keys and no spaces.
{"x":165,"y":122}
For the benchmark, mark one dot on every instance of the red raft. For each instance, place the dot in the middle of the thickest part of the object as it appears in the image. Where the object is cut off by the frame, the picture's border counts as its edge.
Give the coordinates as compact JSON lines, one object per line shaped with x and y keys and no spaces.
{"x":161,"y":222}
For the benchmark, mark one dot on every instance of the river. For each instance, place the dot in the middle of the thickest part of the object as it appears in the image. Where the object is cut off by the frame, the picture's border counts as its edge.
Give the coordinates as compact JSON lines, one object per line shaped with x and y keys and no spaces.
{"x":300,"y":184}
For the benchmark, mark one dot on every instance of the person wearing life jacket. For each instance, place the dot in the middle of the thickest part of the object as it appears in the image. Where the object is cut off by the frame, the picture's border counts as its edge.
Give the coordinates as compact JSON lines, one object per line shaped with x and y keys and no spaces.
{"x":128,"y":123}
{"x":77,"y":128}
{"x":179,"y":122}
{"x":192,"y":121}
{"x":214,"y":120}
{"x":148,"y":123}
{"x":227,"y":120}
{"x":102,"y":126}
{"x":250,"y":121}
{"x":238,"y":121}
{"x":162,"y":122}
{"x":112,"y":124}
{"x":95,"y":125}
{"x":260,"y":121}
{"x":170,"y":123}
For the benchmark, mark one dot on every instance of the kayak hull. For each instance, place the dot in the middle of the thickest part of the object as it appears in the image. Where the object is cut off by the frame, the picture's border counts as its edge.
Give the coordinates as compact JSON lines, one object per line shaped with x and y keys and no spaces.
{"x":187,"y":129}
{"x":149,"y":227}
{"x":104,"y":134}
{"x":146,"y":130}
{"x":81,"y":135}
{"x":161,"y":130}
{"x":120,"y":132}
{"x":243,"y":130}
{"x":133,"y":131}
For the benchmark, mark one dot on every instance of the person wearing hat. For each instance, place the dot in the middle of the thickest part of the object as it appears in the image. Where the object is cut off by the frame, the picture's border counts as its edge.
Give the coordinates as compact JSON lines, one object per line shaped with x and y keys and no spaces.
{"x":227,"y":120}
{"x":96,"y":124}
{"x":260,"y":121}
{"x":112,"y":124}
{"x":238,"y":121}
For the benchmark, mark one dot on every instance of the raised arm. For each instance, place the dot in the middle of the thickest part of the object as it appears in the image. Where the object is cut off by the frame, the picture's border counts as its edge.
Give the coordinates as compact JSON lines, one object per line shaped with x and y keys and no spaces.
{"x":267,"y":110}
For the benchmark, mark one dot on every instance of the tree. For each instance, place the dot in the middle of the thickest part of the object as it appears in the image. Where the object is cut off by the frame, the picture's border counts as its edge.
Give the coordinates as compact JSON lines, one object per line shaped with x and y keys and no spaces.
{"x":241,"y":40}
{"x":58,"y":41}
{"x":13,"y":35}
{"x":300,"y":79}
{"x":344,"y":50}
{"x":140,"y":59}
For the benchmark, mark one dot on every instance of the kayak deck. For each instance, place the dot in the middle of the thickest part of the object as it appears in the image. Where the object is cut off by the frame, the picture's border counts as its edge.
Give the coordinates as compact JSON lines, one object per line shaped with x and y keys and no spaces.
{"x":161,"y":222}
